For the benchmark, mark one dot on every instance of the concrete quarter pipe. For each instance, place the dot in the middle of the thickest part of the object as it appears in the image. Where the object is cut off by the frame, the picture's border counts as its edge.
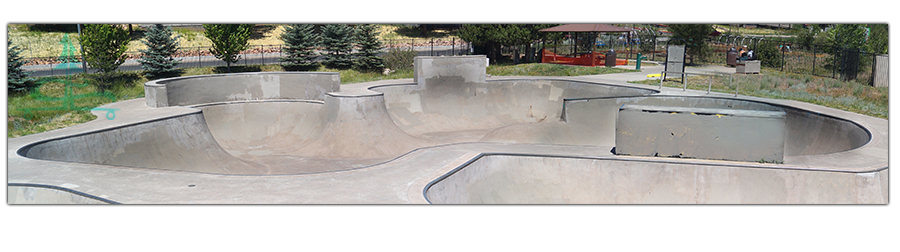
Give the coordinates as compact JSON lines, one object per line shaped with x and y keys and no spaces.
{"x":450,"y":136}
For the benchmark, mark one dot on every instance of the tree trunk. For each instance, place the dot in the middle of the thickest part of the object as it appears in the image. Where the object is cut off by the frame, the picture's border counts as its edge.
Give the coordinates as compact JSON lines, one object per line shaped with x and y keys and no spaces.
{"x":516,"y":55}
{"x":529,"y":56}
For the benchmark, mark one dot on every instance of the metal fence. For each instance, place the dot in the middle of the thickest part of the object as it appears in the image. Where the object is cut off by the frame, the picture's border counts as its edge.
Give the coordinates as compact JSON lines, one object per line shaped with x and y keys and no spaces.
{"x":812,"y":59}
{"x":190,"y":57}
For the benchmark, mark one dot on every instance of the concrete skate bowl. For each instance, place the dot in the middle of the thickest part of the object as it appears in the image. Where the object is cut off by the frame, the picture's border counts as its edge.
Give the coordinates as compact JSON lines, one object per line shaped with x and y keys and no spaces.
{"x":519,"y":179}
{"x":302,"y":123}
{"x":806,"y":132}
{"x":492,"y":111}
{"x":811,"y":140}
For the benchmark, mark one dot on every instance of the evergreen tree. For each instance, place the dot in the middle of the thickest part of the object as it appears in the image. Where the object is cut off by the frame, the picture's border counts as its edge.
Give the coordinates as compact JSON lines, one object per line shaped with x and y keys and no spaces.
{"x":158,"y":59}
{"x":16,"y":79}
{"x":366,"y":59}
{"x":228,"y":40}
{"x":104,"y":46}
{"x":301,"y":42}
{"x":338,"y":43}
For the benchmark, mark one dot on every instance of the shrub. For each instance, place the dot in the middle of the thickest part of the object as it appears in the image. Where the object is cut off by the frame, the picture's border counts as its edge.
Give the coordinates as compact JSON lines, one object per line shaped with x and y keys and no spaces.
{"x":768,"y":55}
{"x":399,"y":59}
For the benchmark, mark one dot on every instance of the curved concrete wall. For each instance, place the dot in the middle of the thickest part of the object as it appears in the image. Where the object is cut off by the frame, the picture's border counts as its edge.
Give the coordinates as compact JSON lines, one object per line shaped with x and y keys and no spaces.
{"x":355,"y":127}
{"x":43,"y":195}
{"x":458,"y":106}
{"x":181,"y":143}
{"x":500,"y":179}
{"x":807,"y":133}
{"x":192,"y":90}
{"x":242,"y":127}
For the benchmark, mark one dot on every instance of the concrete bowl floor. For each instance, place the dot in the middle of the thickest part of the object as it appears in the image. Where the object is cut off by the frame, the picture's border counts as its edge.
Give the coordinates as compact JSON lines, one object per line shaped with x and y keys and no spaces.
{"x":446,"y":140}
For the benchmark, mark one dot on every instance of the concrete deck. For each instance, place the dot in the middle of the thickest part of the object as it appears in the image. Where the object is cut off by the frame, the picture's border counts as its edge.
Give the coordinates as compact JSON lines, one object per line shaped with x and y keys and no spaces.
{"x":358,"y":146}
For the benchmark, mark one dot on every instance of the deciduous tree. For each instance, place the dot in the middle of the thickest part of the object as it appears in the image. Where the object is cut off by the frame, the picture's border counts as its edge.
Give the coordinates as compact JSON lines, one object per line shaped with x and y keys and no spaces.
{"x":492,"y":36}
{"x":694,"y":36}
{"x":104,"y":46}
{"x":228,"y":41}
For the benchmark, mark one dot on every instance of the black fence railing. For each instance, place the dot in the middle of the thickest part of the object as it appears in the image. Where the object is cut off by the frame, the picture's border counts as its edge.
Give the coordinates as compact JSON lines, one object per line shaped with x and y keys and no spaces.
{"x":255,"y":55}
{"x":812,"y":59}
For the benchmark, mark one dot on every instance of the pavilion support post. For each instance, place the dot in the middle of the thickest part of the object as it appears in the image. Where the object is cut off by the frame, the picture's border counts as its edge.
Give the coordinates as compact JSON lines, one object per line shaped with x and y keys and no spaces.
{"x":630,"y":46}
{"x":594,"y":40}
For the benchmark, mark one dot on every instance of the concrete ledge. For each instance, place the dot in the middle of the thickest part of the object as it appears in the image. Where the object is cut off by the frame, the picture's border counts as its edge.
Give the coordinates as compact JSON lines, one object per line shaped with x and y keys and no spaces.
{"x":516,"y":179}
{"x":192,"y":90}
{"x":452,"y":69}
{"x":725,"y":134}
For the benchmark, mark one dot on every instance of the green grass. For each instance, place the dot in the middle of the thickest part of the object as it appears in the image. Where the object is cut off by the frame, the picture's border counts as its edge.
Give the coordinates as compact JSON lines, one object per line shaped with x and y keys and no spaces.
{"x":844,"y":95}
{"x":47,"y":114}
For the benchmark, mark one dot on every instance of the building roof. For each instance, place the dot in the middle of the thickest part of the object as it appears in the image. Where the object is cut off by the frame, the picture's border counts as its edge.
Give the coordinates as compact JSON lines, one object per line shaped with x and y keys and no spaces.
{"x":586,"y":28}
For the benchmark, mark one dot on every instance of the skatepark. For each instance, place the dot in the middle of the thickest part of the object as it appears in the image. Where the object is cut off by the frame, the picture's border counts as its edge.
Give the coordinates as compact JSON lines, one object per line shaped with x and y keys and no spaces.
{"x":451,"y":135}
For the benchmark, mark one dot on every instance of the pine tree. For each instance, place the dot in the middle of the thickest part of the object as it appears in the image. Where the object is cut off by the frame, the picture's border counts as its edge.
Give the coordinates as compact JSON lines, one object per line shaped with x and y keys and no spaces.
{"x":16,"y":79}
{"x":338,"y":43}
{"x":158,"y":60}
{"x":366,"y":59}
{"x":301,"y":42}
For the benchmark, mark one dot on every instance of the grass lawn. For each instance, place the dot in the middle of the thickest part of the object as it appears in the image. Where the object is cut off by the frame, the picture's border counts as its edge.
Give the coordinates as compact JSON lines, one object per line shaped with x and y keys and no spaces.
{"x":44,"y":109}
{"x":844,"y":95}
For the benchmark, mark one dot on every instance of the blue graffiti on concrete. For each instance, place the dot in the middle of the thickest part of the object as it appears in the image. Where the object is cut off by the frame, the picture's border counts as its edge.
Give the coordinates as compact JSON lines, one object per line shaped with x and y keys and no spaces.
{"x":69,"y":64}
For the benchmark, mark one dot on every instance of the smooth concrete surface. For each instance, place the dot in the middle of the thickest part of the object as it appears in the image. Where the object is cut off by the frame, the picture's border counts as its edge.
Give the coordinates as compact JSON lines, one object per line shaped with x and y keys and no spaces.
{"x":43,"y":196}
{"x":181,"y":143}
{"x":807,"y":132}
{"x":385,"y":142}
{"x":193,"y":90}
{"x":456,"y":69}
{"x":462,"y":106}
{"x":724,"y":134}
{"x":507,"y":179}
